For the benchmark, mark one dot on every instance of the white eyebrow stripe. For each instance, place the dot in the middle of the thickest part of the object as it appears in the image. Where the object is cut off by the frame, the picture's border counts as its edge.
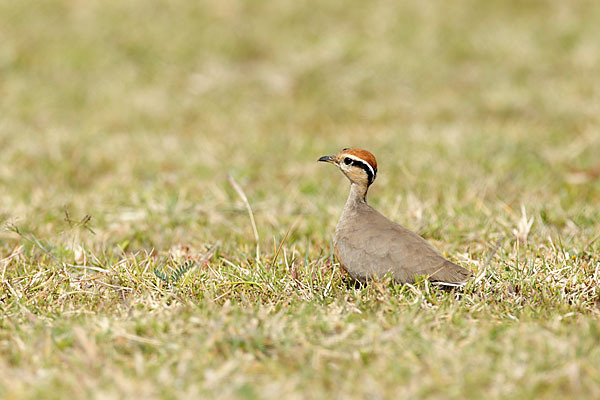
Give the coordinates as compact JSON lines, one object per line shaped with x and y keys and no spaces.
{"x":364,"y":162}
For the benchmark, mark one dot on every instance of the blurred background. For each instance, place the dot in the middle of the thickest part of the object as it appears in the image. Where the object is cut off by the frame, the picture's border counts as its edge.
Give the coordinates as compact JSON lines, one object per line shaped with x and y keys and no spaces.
{"x":135,"y":111}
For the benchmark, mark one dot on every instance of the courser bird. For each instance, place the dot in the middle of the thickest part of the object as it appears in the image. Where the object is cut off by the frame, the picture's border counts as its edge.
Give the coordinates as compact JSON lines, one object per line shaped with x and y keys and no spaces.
{"x":369,"y":246}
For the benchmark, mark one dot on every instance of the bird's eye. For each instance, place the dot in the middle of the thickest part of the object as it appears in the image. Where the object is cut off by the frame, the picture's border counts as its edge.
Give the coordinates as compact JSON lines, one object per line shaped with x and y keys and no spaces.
{"x":347,"y":161}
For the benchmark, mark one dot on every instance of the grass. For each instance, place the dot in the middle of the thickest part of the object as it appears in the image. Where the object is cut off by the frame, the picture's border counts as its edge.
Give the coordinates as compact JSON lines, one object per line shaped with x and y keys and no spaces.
{"x":120,"y":123}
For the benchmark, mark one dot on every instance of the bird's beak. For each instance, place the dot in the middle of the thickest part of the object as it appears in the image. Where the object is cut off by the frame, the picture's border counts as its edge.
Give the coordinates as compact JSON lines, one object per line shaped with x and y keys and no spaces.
{"x":328,"y":159}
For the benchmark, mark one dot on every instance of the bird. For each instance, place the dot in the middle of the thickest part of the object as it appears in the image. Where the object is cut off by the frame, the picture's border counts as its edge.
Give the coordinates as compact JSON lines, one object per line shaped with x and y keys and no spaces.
{"x":369,"y":246}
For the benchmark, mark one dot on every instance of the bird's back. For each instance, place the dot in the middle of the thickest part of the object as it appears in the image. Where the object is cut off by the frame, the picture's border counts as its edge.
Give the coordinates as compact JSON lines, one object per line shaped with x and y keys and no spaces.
{"x":370,"y":245}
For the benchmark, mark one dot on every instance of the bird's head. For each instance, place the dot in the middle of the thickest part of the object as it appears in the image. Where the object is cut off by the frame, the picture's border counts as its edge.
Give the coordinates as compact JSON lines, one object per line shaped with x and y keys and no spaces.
{"x":359,"y":166}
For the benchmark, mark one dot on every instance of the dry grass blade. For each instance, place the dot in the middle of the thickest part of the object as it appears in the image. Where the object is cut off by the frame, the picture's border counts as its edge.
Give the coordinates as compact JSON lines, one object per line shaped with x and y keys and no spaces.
{"x":480,"y":276}
{"x":242,"y":195}
{"x":290,"y":229}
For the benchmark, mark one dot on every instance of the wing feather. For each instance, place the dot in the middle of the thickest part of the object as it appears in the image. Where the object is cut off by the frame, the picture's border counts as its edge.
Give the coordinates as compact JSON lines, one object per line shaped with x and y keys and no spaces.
{"x":376,"y":246}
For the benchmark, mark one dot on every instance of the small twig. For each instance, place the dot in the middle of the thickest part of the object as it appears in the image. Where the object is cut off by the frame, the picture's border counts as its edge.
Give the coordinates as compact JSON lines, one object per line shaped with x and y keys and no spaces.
{"x":138,"y":339}
{"x":239,"y":283}
{"x":208,"y":255}
{"x":240,"y":193}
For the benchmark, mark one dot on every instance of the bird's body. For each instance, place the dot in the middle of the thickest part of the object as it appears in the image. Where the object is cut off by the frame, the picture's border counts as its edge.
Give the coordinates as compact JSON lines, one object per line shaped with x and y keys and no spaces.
{"x":368,"y":245}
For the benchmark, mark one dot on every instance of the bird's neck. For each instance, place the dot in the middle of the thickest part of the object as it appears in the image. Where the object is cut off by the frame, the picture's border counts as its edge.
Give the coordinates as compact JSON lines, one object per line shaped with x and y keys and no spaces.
{"x":358,"y":194}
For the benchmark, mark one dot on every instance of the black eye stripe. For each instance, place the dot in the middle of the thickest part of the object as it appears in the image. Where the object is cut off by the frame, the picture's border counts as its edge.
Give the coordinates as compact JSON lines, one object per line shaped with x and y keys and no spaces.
{"x":363,"y":165}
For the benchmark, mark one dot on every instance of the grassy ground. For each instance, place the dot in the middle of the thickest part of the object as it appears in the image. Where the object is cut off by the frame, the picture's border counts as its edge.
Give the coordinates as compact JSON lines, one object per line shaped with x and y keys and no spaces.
{"x":484,"y":117}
